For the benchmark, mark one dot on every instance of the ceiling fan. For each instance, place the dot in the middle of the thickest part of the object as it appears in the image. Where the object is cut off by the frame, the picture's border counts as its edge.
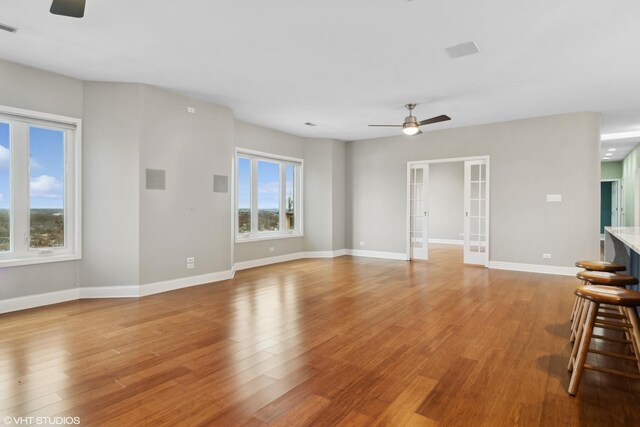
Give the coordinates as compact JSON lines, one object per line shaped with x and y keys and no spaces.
{"x":411,"y":125}
{"x":71,"y":8}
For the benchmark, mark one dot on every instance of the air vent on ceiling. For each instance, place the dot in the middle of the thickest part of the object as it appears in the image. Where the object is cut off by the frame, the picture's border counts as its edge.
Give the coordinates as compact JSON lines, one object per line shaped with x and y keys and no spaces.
{"x":464,"y":49}
{"x":8,"y":28}
{"x":310,"y":124}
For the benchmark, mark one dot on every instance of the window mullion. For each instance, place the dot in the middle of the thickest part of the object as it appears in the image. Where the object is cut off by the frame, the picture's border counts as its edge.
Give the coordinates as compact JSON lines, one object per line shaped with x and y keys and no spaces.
{"x":20,"y":216}
{"x":254,"y":196}
{"x":283,"y":197}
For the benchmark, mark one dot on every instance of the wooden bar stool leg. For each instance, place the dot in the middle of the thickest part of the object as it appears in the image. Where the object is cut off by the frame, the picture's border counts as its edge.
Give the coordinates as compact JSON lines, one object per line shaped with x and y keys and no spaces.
{"x":632,"y":315}
{"x":578,"y":333}
{"x":574,"y":309}
{"x":583,"y":349}
{"x":581,"y":315}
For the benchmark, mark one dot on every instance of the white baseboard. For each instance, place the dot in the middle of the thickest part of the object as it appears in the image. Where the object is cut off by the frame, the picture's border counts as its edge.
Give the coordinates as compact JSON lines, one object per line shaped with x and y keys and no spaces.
{"x":534,"y":268}
{"x":447,"y":241}
{"x":244,"y":265}
{"x":133,"y":291}
{"x":109,"y":292}
{"x":32,"y":301}
{"x":377,"y":254}
{"x":325,"y":254}
{"x":185,"y":282}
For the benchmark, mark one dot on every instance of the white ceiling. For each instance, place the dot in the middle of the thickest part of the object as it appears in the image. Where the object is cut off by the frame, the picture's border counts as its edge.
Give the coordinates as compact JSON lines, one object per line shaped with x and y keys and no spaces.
{"x":346,"y":63}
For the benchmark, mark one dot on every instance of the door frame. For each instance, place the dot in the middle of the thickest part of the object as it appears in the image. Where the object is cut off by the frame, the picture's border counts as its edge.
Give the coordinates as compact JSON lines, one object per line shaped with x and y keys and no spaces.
{"x":618,"y":182}
{"x":407,"y":234}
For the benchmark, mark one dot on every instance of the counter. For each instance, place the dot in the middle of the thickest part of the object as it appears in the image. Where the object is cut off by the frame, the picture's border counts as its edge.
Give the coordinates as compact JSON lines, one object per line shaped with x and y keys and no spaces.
{"x":622,"y":245}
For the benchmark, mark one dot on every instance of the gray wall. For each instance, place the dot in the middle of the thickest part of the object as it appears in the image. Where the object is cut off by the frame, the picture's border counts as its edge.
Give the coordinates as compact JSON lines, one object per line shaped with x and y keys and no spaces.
{"x":187,"y":219}
{"x":446,"y":200}
{"x":529,"y":159}
{"x":338,"y":176}
{"x":111,"y":208}
{"x":31,"y":89}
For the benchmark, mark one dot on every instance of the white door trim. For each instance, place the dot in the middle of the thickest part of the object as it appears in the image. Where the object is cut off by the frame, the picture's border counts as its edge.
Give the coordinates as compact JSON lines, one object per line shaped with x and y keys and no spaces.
{"x":619,"y":204}
{"x":486,"y":158}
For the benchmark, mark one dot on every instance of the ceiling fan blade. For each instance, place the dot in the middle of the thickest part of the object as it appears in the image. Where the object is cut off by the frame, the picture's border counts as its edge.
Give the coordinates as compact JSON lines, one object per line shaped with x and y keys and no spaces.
{"x":432,"y":120}
{"x":387,"y":126}
{"x":71,"y":8}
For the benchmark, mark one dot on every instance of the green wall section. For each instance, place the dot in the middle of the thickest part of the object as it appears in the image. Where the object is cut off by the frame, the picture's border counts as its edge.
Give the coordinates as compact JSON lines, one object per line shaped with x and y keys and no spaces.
{"x":605,"y":205}
{"x":611,"y":170}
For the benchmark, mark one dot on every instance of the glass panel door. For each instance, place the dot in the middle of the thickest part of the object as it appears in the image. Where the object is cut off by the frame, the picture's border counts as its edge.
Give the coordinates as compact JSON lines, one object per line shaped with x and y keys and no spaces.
{"x":418,"y":211}
{"x":475,"y":221}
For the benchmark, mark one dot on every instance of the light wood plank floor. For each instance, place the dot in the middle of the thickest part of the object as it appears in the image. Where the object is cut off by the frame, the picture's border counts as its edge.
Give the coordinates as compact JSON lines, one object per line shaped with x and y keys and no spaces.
{"x":348,"y":341}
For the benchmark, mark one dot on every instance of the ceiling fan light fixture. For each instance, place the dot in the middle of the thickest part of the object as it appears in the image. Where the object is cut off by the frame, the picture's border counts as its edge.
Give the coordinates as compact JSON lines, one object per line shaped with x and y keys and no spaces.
{"x":410,"y":129}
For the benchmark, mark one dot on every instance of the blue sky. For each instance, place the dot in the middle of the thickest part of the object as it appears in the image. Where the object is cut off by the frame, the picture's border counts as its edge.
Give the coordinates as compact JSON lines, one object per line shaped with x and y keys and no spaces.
{"x":268,"y":184}
{"x":46,"y":167}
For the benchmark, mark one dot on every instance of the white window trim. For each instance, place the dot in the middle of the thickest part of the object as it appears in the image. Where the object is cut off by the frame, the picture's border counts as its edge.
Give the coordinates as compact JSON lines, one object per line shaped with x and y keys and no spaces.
{"x":298,"y":208}
{"x":72,"y":191}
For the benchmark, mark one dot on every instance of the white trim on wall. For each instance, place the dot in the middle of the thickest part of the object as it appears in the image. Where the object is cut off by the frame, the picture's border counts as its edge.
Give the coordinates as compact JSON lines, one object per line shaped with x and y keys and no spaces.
{"x":534,"y":268}
{"x":33,"y":301}
{"x":244,"y":265}
{"x":377,"y":254}
{"x":447,"y":241}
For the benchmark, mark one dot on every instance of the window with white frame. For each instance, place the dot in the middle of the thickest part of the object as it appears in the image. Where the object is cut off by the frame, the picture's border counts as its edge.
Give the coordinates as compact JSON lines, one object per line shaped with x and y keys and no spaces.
{"x":268,"y":196}
{"x":39,"y":187}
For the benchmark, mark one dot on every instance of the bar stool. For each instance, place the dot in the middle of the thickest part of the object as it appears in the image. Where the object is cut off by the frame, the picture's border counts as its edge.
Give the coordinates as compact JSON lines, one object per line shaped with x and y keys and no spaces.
{"x":609,"y":267}
{"x":594,"y":296}
{"x":603,"y":279}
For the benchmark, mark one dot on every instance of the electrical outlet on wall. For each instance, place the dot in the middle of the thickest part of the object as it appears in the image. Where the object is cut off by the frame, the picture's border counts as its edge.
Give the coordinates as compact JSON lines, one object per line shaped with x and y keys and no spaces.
{"x":546,"y":256}
{"x":190,"y":266}
{"x":191,"y":259}
{"x":271,"y":249}
{"x":361,"y":243}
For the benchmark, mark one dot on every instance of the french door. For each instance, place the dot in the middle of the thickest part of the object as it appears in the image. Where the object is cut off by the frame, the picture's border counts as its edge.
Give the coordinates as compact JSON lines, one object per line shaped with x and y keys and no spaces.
{"x":418,"y":211}
{"x":475,"y":212}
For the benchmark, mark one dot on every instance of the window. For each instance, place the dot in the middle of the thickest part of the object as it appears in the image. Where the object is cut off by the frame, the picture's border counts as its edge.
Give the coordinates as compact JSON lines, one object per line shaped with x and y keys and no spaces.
{"x":39,"y":188}
{"x":268,"y":198}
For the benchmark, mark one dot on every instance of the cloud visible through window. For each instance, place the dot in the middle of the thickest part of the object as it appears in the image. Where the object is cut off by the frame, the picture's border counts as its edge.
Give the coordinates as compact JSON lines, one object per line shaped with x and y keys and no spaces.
{"x":46,"y":186}
{"x":4,"y":158}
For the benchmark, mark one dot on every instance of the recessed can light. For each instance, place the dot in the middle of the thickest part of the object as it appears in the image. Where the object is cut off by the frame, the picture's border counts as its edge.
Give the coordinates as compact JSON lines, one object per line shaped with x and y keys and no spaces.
{"x":605,"y":158}
{"x":611,"y":149}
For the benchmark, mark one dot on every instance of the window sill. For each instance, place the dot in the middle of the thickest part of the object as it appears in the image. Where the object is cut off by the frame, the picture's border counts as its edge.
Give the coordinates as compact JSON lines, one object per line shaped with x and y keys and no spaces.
{"x":40,"y":259}
{"x":240,"y":238}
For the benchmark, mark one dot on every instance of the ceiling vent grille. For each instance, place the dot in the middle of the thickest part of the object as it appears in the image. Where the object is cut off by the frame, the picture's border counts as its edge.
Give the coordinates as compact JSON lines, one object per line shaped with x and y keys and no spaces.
{"x":464,"y":49}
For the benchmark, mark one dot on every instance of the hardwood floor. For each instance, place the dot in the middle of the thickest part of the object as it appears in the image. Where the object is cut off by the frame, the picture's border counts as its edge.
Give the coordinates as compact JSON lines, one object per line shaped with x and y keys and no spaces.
{"x":348,"y":341}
